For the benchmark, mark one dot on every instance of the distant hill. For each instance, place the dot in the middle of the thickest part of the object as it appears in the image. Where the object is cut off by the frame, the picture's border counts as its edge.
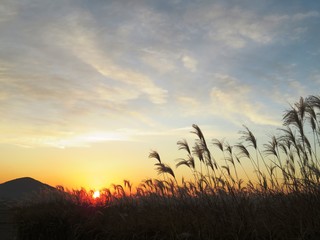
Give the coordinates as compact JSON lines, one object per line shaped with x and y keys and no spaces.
{"x":20,"y":188}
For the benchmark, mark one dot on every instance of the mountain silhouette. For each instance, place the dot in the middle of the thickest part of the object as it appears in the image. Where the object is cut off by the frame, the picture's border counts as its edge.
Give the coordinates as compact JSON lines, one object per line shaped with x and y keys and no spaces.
{"x":21,"y":188}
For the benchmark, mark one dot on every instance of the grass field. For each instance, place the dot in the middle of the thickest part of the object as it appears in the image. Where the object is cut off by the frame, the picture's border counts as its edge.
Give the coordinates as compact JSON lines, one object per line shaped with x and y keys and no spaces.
{"x":280,"y":199}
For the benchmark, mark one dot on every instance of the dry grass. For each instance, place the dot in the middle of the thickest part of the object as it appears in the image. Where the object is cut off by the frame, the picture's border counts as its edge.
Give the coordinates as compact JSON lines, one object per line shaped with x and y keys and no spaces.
{"x":280,"y":201}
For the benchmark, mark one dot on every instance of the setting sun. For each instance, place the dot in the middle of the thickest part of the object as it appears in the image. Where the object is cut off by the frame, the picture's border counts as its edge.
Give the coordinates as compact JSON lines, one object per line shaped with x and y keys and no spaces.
{"x":96,"y":194}
{"x":160,"y":119}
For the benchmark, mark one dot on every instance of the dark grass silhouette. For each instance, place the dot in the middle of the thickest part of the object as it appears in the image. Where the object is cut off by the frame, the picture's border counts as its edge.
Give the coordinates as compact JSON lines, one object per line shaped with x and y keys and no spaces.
{"x":280,"y":199}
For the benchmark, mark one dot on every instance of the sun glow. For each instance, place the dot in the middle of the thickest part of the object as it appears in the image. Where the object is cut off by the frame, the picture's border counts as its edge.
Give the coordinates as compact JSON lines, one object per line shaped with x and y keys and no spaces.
{"x":96,"y":194}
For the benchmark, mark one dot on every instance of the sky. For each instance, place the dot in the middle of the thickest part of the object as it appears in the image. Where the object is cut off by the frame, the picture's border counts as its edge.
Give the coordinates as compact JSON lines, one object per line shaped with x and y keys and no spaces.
{"x":89,"y":88}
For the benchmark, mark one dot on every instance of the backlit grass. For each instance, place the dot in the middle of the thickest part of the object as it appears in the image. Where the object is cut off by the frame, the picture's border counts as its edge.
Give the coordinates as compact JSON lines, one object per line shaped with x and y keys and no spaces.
{"x":278,"y":199}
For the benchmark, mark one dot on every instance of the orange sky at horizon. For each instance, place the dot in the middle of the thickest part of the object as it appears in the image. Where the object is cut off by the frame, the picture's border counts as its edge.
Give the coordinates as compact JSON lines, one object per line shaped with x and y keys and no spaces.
{"x":89,"y":88}
{"x":70,"y":168}
{"x":99,"y":165}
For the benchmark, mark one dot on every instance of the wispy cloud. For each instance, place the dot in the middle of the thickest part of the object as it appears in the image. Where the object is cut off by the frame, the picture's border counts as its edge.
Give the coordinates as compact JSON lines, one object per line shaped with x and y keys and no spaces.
{"x":60,"y":139}
{"x":236,"y":27}
{"x":8,"y":10}
{"x":188,"y":102}
{"x":189,"y":63}
{"x":65,"y":77}
{"x":162,"y":61}
{"x":234,"y":101}
{"x":83,"y":44}
{"x":83,"y":68}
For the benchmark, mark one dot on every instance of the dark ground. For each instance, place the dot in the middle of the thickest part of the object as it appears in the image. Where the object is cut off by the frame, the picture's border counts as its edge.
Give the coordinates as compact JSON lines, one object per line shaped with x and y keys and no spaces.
{"x":7,"y":229}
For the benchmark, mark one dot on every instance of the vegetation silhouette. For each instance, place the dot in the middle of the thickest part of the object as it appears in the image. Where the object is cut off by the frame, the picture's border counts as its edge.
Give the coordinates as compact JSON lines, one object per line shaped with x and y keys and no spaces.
{"x":280,"y":200}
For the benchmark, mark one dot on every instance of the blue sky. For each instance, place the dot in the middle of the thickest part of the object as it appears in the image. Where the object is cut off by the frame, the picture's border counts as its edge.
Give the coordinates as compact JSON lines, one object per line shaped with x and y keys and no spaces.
{"x":77,"y":73}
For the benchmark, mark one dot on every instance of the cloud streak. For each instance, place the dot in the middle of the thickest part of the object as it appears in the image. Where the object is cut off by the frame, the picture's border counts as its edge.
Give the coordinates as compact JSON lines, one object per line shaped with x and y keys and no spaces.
{"x":234,"y":101}
{"x":83,"y":68}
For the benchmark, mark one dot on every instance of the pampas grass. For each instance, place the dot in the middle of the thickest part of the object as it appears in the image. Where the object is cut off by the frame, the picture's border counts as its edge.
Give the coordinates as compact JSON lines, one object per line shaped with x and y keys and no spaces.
{"x":279,"y":199}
